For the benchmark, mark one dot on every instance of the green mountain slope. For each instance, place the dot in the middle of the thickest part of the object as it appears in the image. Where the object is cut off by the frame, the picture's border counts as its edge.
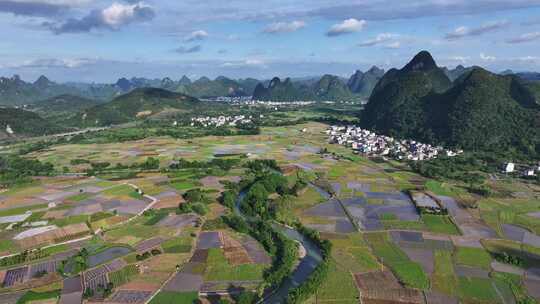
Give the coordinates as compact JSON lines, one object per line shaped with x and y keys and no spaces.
{"x":327,"y":88}
{"x":330,"y":87}
{"x":481,"y":111}
{"x":25,"y":123}
{"x":14,"y":91}
{"x":137,"y":104}
{"x":62,"y":105}
{"x":364,"y":83}
{"x":396,"y":106}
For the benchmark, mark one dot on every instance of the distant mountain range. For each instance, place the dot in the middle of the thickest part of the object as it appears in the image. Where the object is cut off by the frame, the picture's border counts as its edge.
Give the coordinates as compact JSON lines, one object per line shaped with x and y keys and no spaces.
{"x":14,"y":91}
{"x":327,"y":88}
{"x":478,"y":111}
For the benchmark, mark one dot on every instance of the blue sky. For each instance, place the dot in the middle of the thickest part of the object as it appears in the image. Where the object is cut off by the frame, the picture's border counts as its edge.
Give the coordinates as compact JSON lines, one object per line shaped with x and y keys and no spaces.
{"x":102,"y":40}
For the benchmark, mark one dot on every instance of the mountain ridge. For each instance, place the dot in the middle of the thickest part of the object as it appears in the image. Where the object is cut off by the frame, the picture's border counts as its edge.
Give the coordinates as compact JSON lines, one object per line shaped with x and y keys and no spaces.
{"x":480,"y":110}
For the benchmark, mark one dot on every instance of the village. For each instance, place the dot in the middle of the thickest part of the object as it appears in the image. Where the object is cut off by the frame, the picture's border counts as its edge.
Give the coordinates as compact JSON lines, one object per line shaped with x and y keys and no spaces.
{"x":369,"y":143}
{"x":220,"y":121}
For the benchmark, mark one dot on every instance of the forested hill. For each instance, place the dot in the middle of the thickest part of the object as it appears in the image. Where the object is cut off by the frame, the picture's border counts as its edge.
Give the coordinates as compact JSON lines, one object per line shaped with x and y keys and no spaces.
{"x":479,"y":111}
{"x":138,"y":104}
{"x":19,"y":123}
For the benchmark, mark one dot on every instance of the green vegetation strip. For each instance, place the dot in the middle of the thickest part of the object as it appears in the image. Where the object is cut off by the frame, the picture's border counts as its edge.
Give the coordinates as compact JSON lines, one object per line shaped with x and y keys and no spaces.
{"x":170,"y":297}
{"x":123,"y":276}
{"x":36,"y":297}
{"x":474,"y":257}
{"x":408,"y":272}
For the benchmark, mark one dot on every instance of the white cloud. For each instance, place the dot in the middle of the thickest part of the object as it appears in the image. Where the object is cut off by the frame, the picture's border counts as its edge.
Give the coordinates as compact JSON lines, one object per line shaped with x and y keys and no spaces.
{"x":119,"y":13}
{"x":196,"y":36}
{"x":528,"y":37}
{"x":284,"y":27}
{"x":68,"y":63}
{"x":245,"y":63}
{"x":346,"y":27}
{"x":393,"y":45}
{"x":485,"y":57}
{"x":464,"y":31}
{"x":462,"y":59}
{"x":112,"y":17}
{"x":379,"y":39}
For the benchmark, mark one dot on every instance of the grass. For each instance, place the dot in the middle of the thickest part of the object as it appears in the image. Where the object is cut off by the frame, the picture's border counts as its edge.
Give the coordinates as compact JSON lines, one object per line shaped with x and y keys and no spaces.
{"x":364,"y":258}
{"x":56,"y":249}
{"x":388,"y":217}
{"x":310,"y":197}
{"x":477,"y":289}
{"x":440,"y":224}
{"x":336,"y":171}
{"x":124,"y":275}
{"x":6,"y":245}
{"x":184,"y":185}
{"x":33,"y":296}
{"x":353,"y":254}
{"x":121,"y":190}
{"x":219,"y":269}
{"x":79,"y":197}
{"x":21,"y":210}
{"x":154,"y":219}
{"x":405,"y":225}
{"x":515,"y":284}
{"x":444,"y":278}
{"x":408,"y":272}
{"x":170,"y":297}
{"x":133,"y":232}
{"x":177,"y":245}
{"x":440,"y":188}
{"x":475,"y":257}
{"x":70,"y":220}
{"x":339,"y":286}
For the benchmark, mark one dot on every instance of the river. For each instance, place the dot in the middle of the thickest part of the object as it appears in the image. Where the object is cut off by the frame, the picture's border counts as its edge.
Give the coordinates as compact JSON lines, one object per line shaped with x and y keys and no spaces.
{"x":304,"y":269}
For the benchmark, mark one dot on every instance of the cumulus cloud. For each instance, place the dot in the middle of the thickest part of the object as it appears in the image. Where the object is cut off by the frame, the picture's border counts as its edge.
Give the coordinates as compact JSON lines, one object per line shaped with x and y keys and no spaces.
{"x":464,"y":31}
{"x":379,"y":39}
{"x":196,"y":36}
{"x":485,"y":57}
{"x":528,"y":37}
{"x":111,"y":18}
{"x":346,"y":27}
{"x":284,"y":27}
{"x":188,"y":50}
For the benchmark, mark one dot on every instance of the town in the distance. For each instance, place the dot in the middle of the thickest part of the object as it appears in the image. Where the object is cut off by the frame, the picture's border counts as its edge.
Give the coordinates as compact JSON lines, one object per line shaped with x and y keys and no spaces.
{"x":411,"y":180}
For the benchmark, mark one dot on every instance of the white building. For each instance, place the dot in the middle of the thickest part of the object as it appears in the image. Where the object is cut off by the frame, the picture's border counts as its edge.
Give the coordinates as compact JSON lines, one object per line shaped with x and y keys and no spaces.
{"x":509,"y":167}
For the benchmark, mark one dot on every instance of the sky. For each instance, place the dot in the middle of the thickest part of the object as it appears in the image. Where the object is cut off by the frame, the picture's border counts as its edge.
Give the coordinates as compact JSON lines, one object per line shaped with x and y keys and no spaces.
{"x":103,"y":40}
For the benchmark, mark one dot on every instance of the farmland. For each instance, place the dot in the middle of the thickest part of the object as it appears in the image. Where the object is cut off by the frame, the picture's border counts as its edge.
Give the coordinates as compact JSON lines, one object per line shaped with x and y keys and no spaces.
{"x":139,"y":234}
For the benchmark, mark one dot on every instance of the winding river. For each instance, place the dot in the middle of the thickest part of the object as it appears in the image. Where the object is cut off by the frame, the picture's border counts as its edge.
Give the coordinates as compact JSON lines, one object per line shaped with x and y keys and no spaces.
{"x":304,"y":269}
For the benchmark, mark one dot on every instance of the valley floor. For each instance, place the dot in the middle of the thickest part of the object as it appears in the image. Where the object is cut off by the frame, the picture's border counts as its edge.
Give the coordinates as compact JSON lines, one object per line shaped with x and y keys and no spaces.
{"x":141,"y":250}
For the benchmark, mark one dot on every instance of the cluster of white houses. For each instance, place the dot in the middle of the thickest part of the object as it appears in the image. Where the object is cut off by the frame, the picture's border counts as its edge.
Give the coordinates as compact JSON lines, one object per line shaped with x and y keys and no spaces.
{"x":220,"y":121}
{"x":278,"y":103}
{"x":525,"y":170}
{"x":369,"y":143}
